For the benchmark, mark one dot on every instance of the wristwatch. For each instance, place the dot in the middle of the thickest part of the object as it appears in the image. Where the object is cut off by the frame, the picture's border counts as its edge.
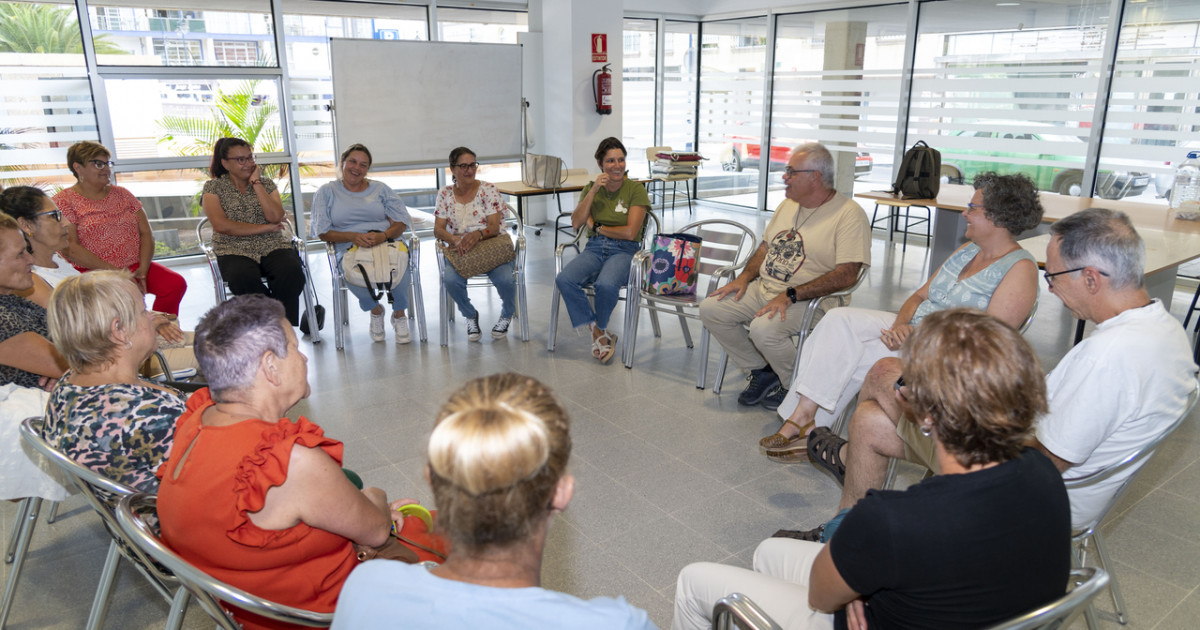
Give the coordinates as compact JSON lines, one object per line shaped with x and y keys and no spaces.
{"x":791,"y":293}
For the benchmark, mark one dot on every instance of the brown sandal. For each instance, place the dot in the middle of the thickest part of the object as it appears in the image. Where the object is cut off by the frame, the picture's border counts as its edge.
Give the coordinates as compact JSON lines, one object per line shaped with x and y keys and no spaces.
{"x":777,"y":442}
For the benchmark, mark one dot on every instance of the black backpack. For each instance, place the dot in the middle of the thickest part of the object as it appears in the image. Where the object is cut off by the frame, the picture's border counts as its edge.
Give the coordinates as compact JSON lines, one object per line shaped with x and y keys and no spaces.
{"x":919,"y":175}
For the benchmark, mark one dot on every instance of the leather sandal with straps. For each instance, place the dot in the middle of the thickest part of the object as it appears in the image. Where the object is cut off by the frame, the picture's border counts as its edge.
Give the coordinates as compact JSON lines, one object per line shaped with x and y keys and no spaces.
{"x":778,"y":442}
{"x":825,"y":450}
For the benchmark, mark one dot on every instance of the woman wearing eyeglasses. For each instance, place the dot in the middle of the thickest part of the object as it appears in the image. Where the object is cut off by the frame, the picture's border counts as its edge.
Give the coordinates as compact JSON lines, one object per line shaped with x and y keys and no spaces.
{"x":991,"y":273}
{"x":107,"y":228}
{"x":468,"y":212}
{"x":249,"y":226}
{"x":46,"y":233}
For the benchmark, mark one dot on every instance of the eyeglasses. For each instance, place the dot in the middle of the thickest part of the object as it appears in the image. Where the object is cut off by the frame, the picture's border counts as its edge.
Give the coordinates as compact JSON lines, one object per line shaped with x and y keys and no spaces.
{"x":242,"y":159}
{"x":789,"y":171}
{"x":101,"y":163}
{"x":975,"y":206}
{"x":467,"y":165}
{"x":1047,"y":275}
{"x":57,"y":214}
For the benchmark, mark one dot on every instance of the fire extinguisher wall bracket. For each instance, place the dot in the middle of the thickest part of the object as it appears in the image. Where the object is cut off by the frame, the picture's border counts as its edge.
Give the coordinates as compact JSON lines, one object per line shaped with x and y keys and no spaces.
{"x":602,"y":90}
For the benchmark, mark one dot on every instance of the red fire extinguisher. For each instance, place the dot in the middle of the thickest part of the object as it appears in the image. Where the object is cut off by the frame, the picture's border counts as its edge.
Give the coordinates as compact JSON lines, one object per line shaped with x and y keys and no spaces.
{"x":602,"y":90}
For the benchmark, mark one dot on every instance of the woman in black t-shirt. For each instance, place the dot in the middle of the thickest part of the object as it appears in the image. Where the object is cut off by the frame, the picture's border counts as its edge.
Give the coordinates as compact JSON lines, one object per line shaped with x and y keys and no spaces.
{"x":986,"y":540}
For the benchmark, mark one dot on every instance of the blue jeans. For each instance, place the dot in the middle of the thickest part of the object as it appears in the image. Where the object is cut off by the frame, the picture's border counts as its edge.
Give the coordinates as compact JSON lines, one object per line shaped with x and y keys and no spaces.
{"x":367,"y":302}
{"x":604,"y":264}
{"x":501,"y":277}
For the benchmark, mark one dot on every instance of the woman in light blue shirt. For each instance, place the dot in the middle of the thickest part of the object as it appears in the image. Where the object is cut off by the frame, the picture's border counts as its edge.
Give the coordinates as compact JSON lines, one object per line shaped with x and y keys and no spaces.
{"x":357,"y":211}
{"x":498,"y":468}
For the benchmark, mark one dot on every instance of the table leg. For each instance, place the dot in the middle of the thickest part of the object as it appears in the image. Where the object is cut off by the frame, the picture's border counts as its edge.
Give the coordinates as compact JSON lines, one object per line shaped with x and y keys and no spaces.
{"x":949,"y":231}
{"x":1161,"y":285}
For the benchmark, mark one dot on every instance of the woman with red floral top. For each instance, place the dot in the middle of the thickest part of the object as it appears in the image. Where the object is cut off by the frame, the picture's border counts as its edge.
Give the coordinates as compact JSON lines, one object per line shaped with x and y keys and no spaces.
{"x":107,"y":228}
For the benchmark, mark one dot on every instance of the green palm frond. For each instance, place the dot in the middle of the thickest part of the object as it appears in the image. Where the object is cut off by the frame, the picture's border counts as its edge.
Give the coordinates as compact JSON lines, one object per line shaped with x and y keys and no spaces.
{"x":44,"y":28}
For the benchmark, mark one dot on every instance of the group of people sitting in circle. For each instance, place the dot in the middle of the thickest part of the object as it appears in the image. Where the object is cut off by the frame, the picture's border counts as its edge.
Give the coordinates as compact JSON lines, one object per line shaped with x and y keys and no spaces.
{"x":262,"y":502}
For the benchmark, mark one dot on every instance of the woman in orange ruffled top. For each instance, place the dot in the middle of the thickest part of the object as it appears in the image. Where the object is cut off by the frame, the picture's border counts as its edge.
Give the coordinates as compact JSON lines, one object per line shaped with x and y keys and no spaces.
{"x":250,"y":496}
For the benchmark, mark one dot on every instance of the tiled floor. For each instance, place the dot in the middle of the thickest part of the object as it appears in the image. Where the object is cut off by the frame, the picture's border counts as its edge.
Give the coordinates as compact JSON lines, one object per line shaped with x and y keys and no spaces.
{"x":666,"y":474}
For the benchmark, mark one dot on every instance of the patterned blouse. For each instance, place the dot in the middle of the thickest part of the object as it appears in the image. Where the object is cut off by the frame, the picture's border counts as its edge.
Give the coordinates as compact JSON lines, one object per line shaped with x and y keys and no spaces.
{"x":18,"y":315}
{"x":109,"y":227}
{"x":121,"y":431}
{"x":469,"y":217}
{"x":244,"y":208}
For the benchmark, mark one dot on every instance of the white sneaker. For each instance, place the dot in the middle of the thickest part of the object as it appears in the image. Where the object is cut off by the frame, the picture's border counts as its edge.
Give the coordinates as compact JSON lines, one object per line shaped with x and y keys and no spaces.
{"x":377,"y":327}
{"x":500,"y":330}
{"x":400,"y":326}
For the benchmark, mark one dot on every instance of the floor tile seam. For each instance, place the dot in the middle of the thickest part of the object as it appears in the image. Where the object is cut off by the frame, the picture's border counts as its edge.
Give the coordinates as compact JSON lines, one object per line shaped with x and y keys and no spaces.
{"x":1143,"y":522}
{"x":1177,"y":605}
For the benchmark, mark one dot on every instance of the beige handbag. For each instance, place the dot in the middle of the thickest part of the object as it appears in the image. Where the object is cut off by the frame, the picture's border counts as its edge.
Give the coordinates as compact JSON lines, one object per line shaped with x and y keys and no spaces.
{"x":484,"y":257}
{"x":543,"y":171}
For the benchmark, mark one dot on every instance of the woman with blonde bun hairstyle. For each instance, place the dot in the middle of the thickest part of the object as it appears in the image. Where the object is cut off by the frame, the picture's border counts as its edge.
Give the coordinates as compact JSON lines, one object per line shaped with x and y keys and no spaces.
{"x":498,"y":468}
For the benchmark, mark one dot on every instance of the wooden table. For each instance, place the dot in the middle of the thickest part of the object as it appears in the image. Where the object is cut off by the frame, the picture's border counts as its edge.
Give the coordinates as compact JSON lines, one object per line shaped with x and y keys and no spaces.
{"x":520,"y":190}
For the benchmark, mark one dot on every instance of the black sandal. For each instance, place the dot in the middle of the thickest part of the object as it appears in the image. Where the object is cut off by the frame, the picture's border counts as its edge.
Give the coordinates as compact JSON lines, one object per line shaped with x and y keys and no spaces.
{"x":824,"y":450}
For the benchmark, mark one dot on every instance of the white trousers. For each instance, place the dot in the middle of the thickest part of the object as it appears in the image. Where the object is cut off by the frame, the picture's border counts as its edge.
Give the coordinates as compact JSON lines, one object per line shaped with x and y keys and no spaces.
{"x":835,"y":361}
{"x":778,"y":584}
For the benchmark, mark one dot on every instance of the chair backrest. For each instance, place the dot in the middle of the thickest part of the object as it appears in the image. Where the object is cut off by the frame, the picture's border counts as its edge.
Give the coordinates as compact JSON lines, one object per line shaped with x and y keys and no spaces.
{"x":208,"y":590}
{"x":726,"y":247}
{"x":738,"y":611}
{"x":204,"y":234}
{"x":1133,"y":460}
{"x":1084,"y":584}
{"x":102,"y":493}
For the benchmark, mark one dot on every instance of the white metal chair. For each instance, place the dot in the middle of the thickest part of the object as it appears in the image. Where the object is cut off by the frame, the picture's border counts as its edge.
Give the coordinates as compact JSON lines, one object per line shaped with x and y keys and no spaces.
{"x":101,"y":492}
{"x":738,"y":611}
{"x":1082,"y":587}
{"x":558,"y":220}
{"x":1090,"y":535}
{"x":446,"y":306}
{"x":688,"y":179}
{"x":725,"y":248}
{"x":341,"y":294}
{"x":221,"y":290}
{"x":207,"y":590}
{"x":841,"y":297}
{"x":648,"y":235}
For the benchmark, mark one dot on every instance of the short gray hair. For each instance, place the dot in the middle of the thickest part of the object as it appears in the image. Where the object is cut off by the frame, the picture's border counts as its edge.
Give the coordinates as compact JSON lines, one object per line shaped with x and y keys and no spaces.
{"x":1104,"y":239}
{"x":232,"y":338}
{"x":818,"y":158}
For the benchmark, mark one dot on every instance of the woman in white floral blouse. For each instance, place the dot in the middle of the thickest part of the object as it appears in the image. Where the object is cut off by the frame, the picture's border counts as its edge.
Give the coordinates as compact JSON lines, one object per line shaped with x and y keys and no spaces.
{"x":470,"y":211}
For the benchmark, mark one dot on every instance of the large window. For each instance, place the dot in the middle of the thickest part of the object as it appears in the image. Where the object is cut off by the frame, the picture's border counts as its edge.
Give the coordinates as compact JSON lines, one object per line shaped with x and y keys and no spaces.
{"x":221,"y":33}
{"x":45,"y":99}
{"x":837,"y":82}
{"x":637,"y":92}
{"x":1011,"y":88}
{"x":475,"y":25}
{"x":731,"y":108}
{"x":1153,"y":115}
{"x":681,"y":51}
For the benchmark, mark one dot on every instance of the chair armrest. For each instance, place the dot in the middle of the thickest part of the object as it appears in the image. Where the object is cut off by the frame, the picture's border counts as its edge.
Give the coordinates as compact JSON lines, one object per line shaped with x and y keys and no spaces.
{"x":562,"y":247}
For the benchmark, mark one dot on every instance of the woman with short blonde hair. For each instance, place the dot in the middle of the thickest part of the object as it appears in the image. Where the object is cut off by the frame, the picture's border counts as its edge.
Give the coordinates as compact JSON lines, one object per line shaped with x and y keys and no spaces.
{"x":102,"y":413}
{"x":498,"y":467}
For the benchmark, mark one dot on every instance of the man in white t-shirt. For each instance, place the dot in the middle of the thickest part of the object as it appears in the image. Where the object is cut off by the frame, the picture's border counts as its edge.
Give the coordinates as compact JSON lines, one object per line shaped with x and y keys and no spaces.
{"x":1123,"y":385}
{"x":814,"y":245}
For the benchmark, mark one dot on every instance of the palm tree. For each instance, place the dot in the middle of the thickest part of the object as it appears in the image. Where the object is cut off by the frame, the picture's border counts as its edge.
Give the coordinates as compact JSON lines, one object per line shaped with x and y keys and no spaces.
{"x":237,"y":113}
{"x":43,"y":28}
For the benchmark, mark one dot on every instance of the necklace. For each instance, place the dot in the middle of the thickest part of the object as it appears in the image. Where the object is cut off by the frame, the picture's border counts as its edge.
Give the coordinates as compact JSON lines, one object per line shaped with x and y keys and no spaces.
{"x":795,"y":227}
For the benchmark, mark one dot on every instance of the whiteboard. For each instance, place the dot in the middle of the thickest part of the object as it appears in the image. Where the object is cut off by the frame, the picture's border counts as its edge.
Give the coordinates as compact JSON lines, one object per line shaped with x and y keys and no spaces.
{"x":412,"y":102}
